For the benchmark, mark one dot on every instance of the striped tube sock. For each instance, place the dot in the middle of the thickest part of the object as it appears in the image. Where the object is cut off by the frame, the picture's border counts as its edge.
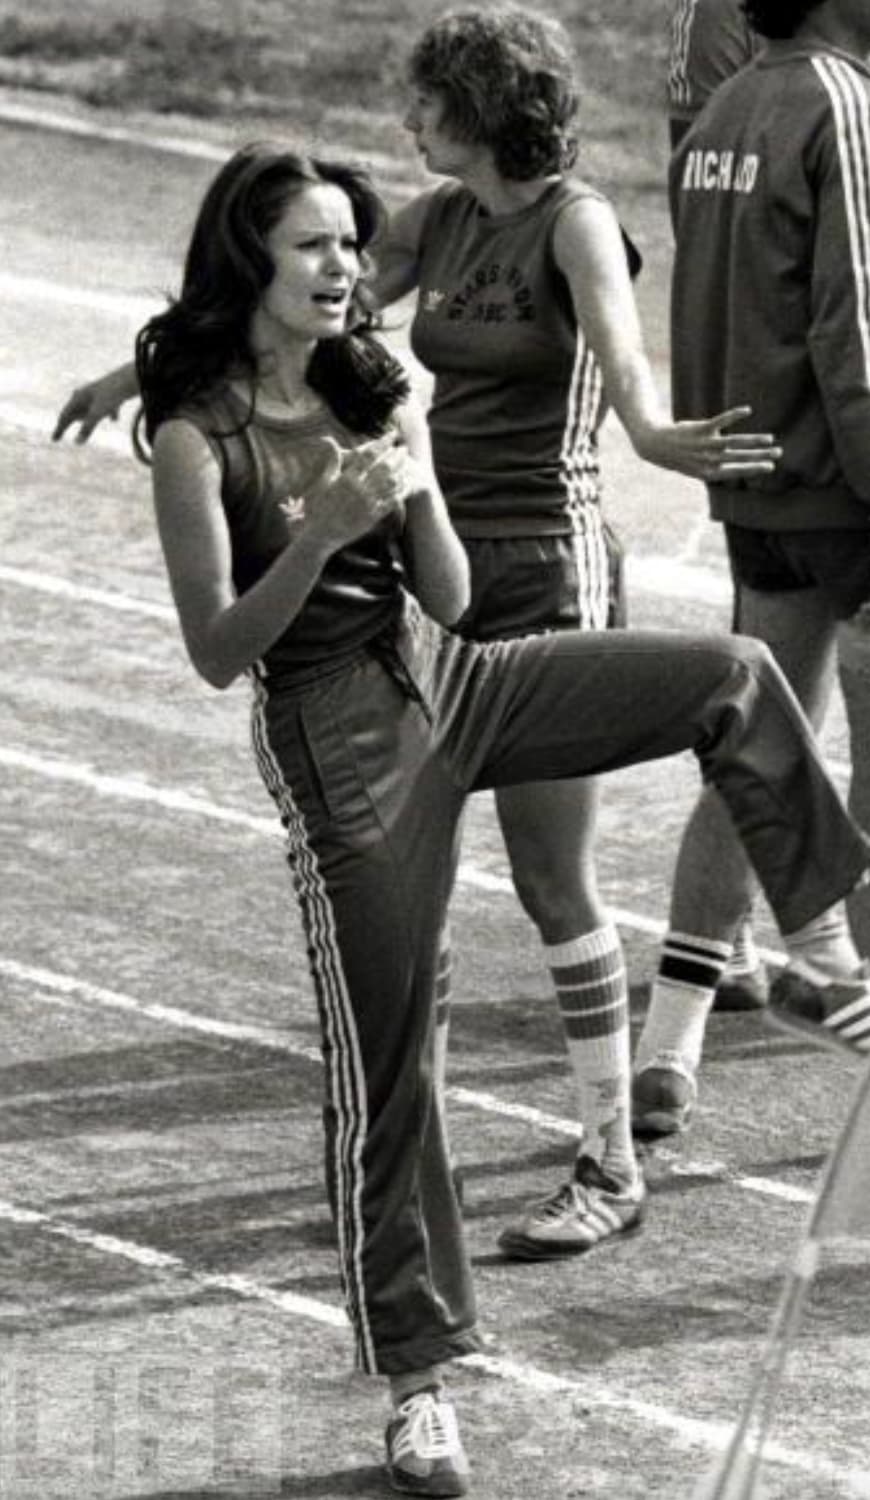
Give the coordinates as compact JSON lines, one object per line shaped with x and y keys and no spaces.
{"x":682,"y":994}
{"x":592,"y":991}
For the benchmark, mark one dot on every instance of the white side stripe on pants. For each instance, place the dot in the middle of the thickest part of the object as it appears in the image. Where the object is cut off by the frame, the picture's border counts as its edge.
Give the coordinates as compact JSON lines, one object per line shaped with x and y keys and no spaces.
{"x":345,"y":1078}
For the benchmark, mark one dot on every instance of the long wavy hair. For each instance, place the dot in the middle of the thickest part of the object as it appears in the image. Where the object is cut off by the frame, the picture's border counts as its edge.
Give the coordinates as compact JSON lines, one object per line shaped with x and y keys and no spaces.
{"x":778,"y":18}
{"x":201,"y":339}
{"x":507,"y":79}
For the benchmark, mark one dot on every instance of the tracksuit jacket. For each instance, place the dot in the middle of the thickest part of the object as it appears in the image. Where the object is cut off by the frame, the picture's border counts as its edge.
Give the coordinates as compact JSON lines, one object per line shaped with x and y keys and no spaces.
{"x":708,"y":41}
{"x":770,"y":195}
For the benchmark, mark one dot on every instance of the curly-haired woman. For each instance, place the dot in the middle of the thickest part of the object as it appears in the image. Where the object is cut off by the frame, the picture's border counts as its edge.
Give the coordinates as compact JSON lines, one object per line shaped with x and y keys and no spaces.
{"x":526,"y":317}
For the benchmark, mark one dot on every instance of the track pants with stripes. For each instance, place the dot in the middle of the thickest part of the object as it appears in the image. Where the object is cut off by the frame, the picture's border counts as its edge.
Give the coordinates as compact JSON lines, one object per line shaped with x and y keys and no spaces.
{"x":370,"y":766}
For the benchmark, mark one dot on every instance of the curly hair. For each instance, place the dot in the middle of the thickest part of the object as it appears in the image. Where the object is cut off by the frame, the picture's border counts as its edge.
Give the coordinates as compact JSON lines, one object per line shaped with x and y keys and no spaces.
{"x":202,"y":337}
{"x":507,"y":79}
{"x":778,"y":18}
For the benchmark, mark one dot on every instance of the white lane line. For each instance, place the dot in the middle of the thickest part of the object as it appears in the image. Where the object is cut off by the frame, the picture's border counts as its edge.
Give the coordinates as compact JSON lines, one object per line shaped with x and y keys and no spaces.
{"x":174,"y":799}
{"x":56,"y":988}
{"x":109,"y":437}
{"x":42,"y":289}
{"x":66,"y":124}
{"x":672,"y":578}
{"x":714,"y":1435}
{"x":160,"y":1260}
{"x":64,"y":588}
{"x":655,"y":573}
{"x":149,"y":138}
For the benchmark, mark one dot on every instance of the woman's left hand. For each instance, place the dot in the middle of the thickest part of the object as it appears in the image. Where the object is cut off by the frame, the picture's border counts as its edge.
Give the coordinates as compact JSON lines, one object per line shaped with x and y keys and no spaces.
{"x":706,"y":450}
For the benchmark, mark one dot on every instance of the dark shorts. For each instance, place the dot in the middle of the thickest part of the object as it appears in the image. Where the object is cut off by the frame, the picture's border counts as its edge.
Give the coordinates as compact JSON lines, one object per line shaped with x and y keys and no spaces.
{"x":775,"y":562}
{"x":528,"y":585}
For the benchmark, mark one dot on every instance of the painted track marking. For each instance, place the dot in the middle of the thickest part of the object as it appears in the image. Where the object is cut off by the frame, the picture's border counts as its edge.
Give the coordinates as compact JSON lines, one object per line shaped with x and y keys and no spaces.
{"x":713,"y":1435}
{"x":51,"y":987}
{"x":176,"y":799}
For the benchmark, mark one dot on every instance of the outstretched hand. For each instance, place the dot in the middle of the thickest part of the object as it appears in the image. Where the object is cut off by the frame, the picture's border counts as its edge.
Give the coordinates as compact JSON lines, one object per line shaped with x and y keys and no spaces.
{"x":89,"y":405}
{"x":706,"y":449}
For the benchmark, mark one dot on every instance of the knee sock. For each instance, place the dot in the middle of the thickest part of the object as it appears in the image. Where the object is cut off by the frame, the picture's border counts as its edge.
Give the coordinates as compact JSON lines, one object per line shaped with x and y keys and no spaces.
{"x":591,"y":988}
{"x":823,"y":950}
{"x":682,"y":994}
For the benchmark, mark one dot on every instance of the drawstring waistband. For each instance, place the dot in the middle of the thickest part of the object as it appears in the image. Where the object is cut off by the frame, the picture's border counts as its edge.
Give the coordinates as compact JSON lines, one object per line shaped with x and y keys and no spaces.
{"x":384,"y":649}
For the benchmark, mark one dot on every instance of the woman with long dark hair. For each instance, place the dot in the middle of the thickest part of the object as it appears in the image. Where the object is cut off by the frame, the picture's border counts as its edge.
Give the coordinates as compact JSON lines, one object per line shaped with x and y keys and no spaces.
{"x":308,"y":546}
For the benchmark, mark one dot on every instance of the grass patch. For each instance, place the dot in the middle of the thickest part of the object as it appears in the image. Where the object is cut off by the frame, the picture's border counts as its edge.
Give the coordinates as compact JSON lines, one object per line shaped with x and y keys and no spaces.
{"x":291,"y":60}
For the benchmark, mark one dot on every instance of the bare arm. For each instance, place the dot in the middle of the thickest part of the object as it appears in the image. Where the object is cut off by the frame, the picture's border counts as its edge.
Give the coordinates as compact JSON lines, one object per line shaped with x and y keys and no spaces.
{"x":90,"y":404}
{"x":435,"y":557}
{"x":225,"y":633}
{"x":589,"y":252}
{"x":396,"y":250}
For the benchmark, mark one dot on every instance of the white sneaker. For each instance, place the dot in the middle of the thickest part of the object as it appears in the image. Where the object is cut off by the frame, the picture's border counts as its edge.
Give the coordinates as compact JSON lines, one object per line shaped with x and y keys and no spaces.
{"x":590,"y":1208}
{"x":424,"y":1452}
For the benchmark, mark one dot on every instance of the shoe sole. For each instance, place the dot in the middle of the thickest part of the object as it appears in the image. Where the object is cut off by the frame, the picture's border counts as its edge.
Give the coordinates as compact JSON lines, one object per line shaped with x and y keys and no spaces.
{"x":731,"y":998}
{"x":813,"y":1031}
{"x":443,"y":1488}
{"x":517,"y":1246}
{"x":656,"y":1123}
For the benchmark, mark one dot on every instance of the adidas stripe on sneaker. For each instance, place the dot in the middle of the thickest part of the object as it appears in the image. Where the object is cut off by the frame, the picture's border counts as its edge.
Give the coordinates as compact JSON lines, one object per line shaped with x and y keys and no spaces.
{"x":424,"y":1452}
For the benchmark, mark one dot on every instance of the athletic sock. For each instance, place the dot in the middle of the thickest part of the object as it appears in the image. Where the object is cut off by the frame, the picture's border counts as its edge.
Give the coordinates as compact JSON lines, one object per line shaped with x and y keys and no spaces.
{"x":591,"y":988}
{"x":745,"y":957}
{"x":682,"y":994}
{"x":410,"y":1382}
{"x":823,"y":950}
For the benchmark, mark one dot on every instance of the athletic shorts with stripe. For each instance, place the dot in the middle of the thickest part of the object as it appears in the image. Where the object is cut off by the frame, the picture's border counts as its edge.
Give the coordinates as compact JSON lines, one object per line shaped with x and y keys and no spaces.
{"x":520,"y":585}
{"x":370,"y":768}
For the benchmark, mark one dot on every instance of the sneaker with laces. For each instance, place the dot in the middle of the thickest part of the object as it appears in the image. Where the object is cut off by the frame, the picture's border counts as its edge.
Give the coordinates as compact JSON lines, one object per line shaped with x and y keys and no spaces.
{"x":663,"y":1094}
{"x":745,"y":989}
{"x":837,"y":1014}
{"x":424,"y":1452}
{"x":590,"y":1208}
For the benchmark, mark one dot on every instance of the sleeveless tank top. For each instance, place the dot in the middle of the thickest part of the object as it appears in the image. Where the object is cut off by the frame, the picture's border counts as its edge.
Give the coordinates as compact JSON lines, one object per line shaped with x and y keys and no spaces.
{"x":517,"y":398}
{"x":273,"y":459}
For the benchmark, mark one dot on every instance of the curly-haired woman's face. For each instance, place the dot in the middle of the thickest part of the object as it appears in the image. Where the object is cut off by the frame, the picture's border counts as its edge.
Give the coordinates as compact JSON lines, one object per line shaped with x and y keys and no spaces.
{"x":440,"y":150}
{"x":315,"y":251}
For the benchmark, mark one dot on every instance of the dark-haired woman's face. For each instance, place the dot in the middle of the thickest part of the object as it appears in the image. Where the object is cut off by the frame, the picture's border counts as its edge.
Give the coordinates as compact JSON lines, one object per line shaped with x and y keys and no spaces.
{"x":315,"y":252}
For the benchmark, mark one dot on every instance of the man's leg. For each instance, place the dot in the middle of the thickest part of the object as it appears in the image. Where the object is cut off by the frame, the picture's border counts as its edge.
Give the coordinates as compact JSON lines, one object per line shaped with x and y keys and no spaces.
{"x":713,"y":883}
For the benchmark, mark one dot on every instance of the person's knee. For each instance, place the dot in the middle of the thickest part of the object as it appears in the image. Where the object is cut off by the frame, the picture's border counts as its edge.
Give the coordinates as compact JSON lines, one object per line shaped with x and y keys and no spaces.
{"x":555,"y":900}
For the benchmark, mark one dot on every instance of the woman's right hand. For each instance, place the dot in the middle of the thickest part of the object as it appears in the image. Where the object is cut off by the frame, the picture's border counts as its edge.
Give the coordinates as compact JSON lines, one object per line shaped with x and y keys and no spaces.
{"x":91,"y":404}
{"x":354,"y":490}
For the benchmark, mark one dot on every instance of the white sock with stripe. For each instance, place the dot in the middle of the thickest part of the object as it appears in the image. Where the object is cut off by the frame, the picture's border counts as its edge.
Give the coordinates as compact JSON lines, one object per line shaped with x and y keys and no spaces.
{"x":682,"y":995}
{"x":823,"y":950}
{"x":592,"y":991}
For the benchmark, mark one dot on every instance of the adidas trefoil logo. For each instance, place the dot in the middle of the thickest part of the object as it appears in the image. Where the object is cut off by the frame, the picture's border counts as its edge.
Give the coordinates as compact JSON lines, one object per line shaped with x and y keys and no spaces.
{"x":432,"y":300}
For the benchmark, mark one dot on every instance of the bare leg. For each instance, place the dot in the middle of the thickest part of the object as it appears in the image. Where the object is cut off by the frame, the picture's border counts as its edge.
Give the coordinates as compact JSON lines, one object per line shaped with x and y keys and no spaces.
{"x":713,"y":884}
{"x":549,"y":830}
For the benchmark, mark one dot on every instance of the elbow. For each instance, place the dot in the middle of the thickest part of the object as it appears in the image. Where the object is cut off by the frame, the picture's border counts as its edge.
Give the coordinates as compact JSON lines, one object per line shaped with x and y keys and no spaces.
{"x":451,"y":604}
{"x":216,"y":673}
{"x":455,"y":608}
